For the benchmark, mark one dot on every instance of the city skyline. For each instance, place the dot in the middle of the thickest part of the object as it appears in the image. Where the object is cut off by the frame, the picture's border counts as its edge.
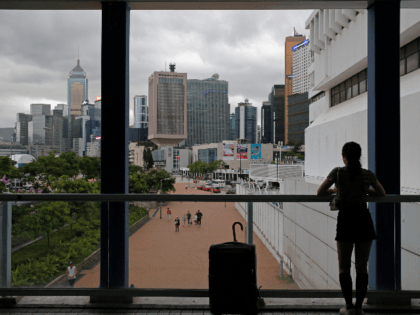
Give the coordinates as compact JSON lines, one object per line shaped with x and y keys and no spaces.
{"x":249,"y":55}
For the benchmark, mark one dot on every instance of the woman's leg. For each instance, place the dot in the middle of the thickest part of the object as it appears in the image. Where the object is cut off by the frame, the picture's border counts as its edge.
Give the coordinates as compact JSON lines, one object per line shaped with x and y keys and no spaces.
{"x":344,"y":251}
{"x":362,"y":251}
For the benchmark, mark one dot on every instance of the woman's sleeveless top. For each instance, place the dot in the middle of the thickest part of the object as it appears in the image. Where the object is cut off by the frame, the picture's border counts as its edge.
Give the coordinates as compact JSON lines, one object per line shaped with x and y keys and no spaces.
{"x":353,"y":193}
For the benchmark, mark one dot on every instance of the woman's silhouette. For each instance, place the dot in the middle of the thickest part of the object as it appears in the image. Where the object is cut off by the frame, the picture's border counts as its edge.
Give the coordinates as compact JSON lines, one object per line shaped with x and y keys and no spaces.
{"x":354,"y":223}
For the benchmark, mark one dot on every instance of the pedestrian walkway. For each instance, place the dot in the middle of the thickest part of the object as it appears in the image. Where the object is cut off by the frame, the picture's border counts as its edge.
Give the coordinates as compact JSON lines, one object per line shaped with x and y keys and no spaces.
{"x":159,"y":257}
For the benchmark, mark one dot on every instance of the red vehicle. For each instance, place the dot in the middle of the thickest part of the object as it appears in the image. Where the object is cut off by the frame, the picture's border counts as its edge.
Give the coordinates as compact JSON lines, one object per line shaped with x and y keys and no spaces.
{"x":216,"y":190}
{"x":207,"y":188}
{"x":200,"y":187}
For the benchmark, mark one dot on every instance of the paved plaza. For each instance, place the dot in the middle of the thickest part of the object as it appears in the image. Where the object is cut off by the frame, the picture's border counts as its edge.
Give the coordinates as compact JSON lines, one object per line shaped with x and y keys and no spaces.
{"x":159,"y":257}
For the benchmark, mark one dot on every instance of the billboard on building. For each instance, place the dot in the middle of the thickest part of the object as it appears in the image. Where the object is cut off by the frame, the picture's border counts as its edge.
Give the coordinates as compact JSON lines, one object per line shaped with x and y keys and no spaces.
{"x":255,"y":151}
{"x":228,"y":151}
{"x":242,"y":152}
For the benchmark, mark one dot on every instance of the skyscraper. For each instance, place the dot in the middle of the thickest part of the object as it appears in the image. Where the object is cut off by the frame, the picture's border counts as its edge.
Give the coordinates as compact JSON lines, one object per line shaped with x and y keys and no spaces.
{"x":266,"y":123}
{"x":207,"y":111}
{"x":168,"y":107}
{"x":301,"y":62}
{"x":40,"y":128}
{"x":246,"y":122}
{"x":288,"y":68}
{"x":77,"y":92}
{"x":277,"y":102}
{"x":21,"y":128}
{"x":232,"y":130}
{"x":141,"y":112}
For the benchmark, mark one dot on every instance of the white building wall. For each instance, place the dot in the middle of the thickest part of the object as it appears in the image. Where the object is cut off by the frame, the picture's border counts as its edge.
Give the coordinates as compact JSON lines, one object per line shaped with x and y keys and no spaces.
{"x":310,"y":228}
{"x":268,"y":224}
{"x":301,"y":61}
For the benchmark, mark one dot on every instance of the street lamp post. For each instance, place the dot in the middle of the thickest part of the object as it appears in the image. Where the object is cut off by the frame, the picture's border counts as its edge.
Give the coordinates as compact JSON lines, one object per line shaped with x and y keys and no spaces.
{"x":161,"y":193}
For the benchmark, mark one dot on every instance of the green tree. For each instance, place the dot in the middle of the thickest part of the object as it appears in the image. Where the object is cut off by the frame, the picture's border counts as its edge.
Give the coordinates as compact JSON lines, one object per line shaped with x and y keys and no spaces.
{"x":78,"y":209}
{"x":90,"y":167}
{"x":147,"y":158}
{"x":143,"y":182}
{"x":45,"y":218}
{"x":8,"y":168}
{"x":46,"y":168}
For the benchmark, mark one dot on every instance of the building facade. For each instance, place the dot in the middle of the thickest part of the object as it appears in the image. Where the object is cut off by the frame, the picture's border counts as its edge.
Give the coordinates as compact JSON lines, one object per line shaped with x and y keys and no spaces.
{"x":266,"y":123}
{"x":277,"y":101}
{"x":298,"y":116}
{"x":168,"y":107}
{"x":246,"y":122}
{"x":136,"y":154}
{"x":21,"y":128}
{"x":232,"y":129}
{"x":207,"y":111}
{"x":339,"y":71}
{"x":288,"y":71}
{"x":7,"y":134}
{"x":241,"y":158}
{"x":301,"y":62}
{"x":77,"y":93}
{"x":141,"y":112}
{"x":167,"y":158}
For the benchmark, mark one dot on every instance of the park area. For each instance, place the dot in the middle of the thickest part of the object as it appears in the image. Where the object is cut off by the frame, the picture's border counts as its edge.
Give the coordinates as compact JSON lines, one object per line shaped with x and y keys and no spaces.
{"x":159,"y":257}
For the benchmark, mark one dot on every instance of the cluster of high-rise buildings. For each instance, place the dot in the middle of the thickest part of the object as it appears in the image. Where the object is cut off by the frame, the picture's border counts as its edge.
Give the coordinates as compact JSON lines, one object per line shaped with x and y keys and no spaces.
{"x":73,"y":126}
{"x":176,"y":112}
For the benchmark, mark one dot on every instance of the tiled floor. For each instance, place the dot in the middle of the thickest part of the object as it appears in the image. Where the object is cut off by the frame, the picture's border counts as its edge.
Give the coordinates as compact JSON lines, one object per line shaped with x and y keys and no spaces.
{"x":159,"y":257}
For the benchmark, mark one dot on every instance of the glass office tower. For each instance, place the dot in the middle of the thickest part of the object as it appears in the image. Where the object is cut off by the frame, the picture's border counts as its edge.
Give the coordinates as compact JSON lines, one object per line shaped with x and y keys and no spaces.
{"x":266,"y":123}
{"x":207,"y":111}
{"x":246,"y":122}
{"x":232,"y":135}
{"x":141,"y":112}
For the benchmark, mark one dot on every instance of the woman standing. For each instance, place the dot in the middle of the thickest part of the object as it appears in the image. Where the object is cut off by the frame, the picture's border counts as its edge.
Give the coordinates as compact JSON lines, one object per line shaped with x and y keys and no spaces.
{"x":354,"y":222}
{"x":183,"y":220}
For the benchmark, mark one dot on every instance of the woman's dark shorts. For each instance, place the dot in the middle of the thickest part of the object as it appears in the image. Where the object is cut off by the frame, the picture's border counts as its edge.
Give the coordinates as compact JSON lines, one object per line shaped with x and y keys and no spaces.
{"x":354,"y":224}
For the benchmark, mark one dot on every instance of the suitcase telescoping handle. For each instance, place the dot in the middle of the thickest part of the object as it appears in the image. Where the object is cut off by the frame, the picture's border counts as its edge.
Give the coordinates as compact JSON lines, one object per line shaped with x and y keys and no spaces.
{"x":233,"y":228}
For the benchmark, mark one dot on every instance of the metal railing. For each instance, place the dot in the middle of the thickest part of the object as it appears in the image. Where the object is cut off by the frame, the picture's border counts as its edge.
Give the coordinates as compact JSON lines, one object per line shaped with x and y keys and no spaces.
{"x":195,"y":198}
{"x":132,"y":292}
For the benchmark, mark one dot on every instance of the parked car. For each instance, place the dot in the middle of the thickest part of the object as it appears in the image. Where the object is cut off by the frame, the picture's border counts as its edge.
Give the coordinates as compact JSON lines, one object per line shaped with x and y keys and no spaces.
{"x":231,"y":191}
{"x":200,"y":187}
{"x":207,"y":188}
{"x":216,"y":189}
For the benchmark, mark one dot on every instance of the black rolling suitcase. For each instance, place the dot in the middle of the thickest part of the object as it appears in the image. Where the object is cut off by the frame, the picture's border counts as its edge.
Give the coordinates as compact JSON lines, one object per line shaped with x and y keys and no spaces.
{"x":233,"y":277}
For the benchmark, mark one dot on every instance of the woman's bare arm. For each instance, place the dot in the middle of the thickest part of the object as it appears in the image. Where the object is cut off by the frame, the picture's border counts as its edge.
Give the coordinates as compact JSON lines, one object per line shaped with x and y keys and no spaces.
{"x":377,"y":190}
{"x":323,"y":189}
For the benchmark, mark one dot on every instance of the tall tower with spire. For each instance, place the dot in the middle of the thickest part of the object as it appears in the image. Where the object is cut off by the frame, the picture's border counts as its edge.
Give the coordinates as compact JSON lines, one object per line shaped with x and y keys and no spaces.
{"x":77,"y":92}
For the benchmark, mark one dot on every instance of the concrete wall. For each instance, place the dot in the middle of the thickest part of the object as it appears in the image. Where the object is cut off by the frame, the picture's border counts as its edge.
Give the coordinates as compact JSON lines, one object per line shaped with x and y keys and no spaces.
{"x":268,"y":224}
{"x":309,"y":233}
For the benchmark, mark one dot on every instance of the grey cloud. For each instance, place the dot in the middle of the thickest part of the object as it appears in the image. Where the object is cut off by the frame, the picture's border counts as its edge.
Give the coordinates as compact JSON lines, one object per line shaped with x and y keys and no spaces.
{"x":39,"y":48}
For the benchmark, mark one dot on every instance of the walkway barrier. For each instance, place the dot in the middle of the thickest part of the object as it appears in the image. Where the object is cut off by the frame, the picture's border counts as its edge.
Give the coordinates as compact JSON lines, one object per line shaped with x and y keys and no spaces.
{"x":127,"y":292}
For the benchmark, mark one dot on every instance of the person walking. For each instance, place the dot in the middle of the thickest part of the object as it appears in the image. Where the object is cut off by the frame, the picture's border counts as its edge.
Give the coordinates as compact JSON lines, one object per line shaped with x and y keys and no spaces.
{"x":189,"y":218}
{"x":186,"y":187}
{"x":195,"y":220}
{"x":199,"y":216}
{"x":169,"y":214}
{"x":352,"y":184}
{"x":177,"y":224}
{"x":183,"y":220}
{"x":71,"y":273}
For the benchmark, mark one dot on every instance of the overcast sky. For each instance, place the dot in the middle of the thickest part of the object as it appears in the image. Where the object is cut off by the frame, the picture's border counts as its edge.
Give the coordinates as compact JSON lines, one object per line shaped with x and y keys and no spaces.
{"x":39,"y":48}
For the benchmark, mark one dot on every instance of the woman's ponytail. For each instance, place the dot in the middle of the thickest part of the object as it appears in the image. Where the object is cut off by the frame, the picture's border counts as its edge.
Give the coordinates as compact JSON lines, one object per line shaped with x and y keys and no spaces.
{"x":352,"y":152}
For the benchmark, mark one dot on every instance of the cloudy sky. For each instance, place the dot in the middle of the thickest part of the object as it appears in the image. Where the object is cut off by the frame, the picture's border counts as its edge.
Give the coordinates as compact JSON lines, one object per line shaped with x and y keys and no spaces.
{"x":39,"y":48}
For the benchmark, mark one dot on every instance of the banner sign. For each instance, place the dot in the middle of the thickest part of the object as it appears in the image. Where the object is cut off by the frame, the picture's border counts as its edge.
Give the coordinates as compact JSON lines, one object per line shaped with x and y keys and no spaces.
{"x":255,"y":151}
{"x":228,"y":151}
{"x":242,"y":152}
{"x":98,"y":137}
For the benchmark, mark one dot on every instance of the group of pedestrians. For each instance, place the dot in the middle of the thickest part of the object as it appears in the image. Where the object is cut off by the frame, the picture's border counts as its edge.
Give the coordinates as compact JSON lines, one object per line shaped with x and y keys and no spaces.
{"x":186,"y":217}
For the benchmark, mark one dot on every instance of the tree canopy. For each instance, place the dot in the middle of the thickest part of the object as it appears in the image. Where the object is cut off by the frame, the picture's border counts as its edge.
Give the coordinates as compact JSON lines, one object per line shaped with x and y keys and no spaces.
{"x":204,"y":168}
